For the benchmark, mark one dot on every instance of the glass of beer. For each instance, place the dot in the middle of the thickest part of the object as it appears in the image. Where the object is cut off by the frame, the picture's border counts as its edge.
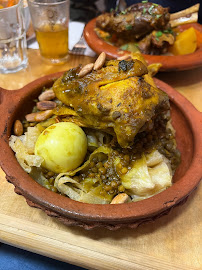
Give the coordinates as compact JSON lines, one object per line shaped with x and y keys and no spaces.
{"x":50,"y":19}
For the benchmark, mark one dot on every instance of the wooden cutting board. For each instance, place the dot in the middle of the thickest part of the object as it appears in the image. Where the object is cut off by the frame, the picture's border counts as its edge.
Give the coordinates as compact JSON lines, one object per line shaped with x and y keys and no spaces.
{"x":171,"y":242}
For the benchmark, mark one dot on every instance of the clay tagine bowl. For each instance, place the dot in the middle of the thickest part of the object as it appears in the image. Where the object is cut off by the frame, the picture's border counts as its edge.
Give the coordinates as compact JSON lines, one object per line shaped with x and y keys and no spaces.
{"x":169,"y":62}
{"x":188,"y":124}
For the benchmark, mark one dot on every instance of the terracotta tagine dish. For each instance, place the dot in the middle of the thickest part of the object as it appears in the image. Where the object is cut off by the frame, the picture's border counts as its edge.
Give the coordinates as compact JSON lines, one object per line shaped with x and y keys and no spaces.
{"x":168,"y":62}
{"x":187,"y":122}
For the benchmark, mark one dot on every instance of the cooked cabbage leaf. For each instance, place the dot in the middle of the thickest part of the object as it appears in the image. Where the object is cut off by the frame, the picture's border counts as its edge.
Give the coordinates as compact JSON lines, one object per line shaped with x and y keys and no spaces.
{"x":148,"y":175}
{"x":23,"y":146}
{"x":138,"y":179}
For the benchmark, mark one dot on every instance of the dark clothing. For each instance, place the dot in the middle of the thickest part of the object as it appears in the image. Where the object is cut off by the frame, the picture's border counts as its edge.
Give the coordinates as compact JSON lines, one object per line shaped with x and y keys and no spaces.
{"x":83,"y":10}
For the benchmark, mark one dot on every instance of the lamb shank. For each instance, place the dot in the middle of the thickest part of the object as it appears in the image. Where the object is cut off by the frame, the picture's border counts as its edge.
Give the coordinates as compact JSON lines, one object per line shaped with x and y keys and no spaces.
{"x":136,"y":21}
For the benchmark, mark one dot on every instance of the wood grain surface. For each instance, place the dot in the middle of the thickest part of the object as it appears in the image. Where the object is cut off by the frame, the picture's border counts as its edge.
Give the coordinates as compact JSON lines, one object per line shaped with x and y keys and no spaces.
{"x":171,"y":242}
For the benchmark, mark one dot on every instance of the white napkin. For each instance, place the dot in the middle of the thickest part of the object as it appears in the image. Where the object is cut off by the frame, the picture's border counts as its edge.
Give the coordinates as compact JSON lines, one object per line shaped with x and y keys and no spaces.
{"x":75,"y":32}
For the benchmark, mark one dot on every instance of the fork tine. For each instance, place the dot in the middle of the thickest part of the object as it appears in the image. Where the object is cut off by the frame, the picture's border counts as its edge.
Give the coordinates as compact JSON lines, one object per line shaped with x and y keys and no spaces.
{"x":79,"y":47}
{"x":78,"y":50}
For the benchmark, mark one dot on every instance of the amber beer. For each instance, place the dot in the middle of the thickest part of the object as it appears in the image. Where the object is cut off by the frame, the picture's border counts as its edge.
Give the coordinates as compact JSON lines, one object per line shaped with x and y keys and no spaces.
{"x":53,"y":41}
{"x":50,"y":20}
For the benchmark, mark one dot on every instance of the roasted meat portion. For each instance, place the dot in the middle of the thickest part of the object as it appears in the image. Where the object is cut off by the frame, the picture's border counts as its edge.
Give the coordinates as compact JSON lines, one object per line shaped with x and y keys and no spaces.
{"x":116,"y":99}
{"x":136,"y":21}
{"x":156,"y":43}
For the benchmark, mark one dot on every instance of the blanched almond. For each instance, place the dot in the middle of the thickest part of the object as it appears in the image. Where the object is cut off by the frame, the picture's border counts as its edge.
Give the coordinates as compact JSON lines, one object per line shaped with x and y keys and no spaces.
{"x":120,"y":198}
{"x":39,"y":116}
{"x":47,"y":95}
{"x":85,"y":70}
{"x":124,"y":57}
{"x":18,"y":128}
{"x":100,"y":61}
{"x":45,"y":105}
{"x":57,"y":119}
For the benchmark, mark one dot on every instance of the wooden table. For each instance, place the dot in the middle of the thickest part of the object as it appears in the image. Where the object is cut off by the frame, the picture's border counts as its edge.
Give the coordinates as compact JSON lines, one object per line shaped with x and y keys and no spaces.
{"x":171,"y":242}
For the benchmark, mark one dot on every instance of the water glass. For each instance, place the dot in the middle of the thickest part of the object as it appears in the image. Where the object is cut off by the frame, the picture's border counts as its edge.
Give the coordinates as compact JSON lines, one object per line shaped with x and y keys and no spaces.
{"x":50,"y":19}
{"x":13,"y":46}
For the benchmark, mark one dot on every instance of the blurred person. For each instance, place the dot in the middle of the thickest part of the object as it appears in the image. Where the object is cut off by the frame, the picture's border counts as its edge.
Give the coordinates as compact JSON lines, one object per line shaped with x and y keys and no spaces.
{"x":83,"y":10}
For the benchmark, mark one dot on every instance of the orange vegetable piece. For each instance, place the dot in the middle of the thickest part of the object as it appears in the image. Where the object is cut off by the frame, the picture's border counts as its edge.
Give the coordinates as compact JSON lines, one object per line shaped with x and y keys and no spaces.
{"x":185,"y":43}
{"x":11,"y":3}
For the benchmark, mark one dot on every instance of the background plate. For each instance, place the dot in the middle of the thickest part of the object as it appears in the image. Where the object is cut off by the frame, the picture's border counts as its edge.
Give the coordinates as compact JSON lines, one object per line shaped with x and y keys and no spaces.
{"x":169,"y":63}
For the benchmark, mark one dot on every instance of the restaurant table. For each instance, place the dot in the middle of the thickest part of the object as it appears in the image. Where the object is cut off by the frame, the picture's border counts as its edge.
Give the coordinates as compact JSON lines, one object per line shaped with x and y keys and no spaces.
{"x":171,"y":242}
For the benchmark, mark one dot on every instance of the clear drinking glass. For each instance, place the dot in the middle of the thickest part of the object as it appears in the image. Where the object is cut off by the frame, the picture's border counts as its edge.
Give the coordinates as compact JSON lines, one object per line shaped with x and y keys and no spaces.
{"x":50,"y":19}
{"x":13,"y":46}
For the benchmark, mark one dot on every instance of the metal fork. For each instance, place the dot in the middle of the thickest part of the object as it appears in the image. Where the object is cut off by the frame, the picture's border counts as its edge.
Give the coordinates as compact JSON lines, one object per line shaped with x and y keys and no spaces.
{"x":120,"y":5}
{"x":79,"y":47}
